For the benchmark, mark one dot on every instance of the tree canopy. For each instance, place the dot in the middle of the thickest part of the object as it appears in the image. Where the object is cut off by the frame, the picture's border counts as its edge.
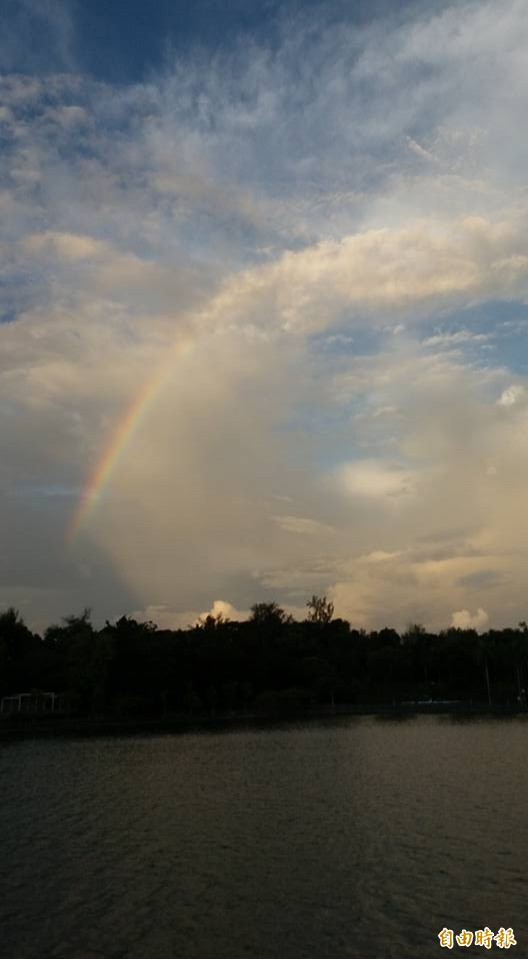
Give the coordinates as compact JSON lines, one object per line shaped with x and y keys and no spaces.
{"x":268,"y":662}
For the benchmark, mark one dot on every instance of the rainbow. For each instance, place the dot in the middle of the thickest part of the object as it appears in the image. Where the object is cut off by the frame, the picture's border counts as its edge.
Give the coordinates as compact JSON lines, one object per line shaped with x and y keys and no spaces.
{"x":135,"y":414}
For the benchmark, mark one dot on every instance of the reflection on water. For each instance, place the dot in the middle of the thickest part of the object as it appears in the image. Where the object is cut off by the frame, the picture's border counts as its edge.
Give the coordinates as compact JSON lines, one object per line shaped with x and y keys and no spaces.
{"x":357,"y":838}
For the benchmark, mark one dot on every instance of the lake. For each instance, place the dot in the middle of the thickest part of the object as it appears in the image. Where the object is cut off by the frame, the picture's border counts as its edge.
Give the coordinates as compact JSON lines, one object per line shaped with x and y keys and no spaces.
{"x":360,"y":837}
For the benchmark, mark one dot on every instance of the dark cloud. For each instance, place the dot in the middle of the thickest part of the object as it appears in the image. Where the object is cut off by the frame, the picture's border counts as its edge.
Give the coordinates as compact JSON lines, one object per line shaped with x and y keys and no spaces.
{"x":481,"y":580}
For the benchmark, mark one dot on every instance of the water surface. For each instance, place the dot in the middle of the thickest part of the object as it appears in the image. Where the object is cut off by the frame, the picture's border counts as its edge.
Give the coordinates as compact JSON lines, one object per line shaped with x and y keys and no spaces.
{"x":359,"y":838}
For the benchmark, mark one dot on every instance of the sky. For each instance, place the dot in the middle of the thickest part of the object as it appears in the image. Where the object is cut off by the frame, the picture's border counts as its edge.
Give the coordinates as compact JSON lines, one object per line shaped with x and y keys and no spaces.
{"x":263,"y":310}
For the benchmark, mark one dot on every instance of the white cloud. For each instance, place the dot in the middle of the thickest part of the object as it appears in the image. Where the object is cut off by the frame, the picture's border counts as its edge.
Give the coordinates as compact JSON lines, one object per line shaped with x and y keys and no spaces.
{"x":511,"y":395}
{"x":463,"y":619}
{"x":377,"y":480}
{"x":384,"y":204}
{"x":455,"y":338}
{"x":380,"y":556}
{"x":302,"y":525}
{"x":226,"y":610}
{"x":415,"y":268}
{"x":69,"y":246}
{"x":167,"y":618}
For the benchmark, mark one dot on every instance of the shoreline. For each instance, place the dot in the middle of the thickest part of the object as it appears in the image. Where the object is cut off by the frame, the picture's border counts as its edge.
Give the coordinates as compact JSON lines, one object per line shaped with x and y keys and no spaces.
{"x":37,"y":727}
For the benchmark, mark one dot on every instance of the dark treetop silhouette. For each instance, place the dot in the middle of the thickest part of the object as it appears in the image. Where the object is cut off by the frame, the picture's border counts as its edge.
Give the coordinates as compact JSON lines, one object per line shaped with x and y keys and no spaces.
{"x":270,"y":663}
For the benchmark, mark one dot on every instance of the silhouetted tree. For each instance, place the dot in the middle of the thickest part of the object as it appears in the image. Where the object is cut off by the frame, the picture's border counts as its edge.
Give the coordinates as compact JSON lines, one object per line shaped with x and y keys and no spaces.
{"x":269,"y":614}
{"x":321,"y":611}
{"x":268,"y":662}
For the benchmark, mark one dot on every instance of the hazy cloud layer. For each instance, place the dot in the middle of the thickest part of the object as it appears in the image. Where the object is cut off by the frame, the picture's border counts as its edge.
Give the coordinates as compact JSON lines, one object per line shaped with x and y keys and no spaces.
{"x":317,"y":247}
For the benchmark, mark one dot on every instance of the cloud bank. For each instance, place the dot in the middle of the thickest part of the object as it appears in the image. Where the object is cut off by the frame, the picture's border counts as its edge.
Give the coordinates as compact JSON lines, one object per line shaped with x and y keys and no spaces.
{"x":334,"y":224}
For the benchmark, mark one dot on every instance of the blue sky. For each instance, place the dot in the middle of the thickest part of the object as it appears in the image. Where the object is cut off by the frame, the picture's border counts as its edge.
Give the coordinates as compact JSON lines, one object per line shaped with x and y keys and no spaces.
{"x":308,"y":222}
{"x":127,"y":41}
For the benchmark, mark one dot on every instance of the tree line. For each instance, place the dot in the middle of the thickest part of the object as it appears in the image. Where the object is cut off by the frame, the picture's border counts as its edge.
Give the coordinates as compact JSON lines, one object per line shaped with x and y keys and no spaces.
{"x":269,"y":663}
